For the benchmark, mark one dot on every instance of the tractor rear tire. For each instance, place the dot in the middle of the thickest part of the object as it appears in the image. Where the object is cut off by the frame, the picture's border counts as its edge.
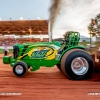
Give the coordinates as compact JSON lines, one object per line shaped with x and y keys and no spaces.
{"x":76,"y":64}
{"x":20,"y":68}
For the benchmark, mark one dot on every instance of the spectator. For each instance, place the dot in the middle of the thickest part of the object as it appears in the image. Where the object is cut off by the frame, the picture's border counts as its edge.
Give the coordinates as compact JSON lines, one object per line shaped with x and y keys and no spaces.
{"x":6,"y":50}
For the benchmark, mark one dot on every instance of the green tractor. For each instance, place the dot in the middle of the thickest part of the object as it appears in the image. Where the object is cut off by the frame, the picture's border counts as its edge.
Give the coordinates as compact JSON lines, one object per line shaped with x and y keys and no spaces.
{"x":70,"y":58}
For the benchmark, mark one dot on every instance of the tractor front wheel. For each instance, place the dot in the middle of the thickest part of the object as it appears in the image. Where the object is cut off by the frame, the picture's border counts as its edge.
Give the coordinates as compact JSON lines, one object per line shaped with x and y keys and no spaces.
{"x":20,"y":69}
{"x":77,"y":64}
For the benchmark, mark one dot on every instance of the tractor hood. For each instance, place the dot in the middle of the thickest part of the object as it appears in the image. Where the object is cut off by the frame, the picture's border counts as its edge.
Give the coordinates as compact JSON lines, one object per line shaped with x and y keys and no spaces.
{"x":36,"y":44}
{"x":43,"y":50}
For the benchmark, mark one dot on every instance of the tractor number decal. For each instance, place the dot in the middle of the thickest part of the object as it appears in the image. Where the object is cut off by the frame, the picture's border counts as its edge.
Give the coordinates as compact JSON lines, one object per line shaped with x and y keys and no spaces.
{"x":47,"y":53}
{"x":39,"y":54}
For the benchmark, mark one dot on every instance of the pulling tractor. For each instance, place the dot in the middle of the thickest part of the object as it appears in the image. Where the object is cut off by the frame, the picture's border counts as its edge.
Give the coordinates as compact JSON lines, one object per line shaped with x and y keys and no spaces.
{"x":70,"y":58}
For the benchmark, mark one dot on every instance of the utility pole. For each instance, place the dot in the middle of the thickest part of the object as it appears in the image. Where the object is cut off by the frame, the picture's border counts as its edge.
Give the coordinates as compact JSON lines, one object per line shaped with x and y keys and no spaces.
{"x":90,"y":43}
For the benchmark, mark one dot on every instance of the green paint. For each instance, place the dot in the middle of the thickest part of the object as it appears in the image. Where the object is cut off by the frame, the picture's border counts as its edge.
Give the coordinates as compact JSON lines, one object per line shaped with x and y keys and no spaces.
{"x":38,"y":57}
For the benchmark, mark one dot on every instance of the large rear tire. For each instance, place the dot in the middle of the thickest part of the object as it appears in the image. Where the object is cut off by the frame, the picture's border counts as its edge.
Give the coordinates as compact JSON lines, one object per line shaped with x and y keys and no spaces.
{"x":76,"y":64}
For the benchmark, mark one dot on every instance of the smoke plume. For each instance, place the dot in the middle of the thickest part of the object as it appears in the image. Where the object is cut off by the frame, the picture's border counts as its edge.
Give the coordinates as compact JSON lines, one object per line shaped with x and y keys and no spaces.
{"x":72,"y":15}
{"x":54,"y":10}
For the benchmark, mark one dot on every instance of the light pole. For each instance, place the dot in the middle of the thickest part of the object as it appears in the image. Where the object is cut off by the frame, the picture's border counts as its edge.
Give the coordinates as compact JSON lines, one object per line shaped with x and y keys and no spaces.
{"x":90,"y":42}
{"x":49,"y":31}
{"x":30,"y":31}
{"x":90,"y":29}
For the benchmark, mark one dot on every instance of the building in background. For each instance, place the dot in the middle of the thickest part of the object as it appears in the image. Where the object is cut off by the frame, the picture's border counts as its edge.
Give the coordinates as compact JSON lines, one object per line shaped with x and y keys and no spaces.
{"x":84,"y":39}
{"x":19,"y":31}
{"x":96,"y":39}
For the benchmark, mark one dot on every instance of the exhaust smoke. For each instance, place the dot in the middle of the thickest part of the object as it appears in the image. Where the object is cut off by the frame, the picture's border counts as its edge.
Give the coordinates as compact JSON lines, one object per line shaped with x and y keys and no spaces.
{"x":54,"y":10}
{"x":72,"y":15}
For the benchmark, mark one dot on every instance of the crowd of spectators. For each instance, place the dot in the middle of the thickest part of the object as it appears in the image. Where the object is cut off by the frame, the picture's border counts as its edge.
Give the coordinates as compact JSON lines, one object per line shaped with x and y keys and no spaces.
{"x":12,"y":41}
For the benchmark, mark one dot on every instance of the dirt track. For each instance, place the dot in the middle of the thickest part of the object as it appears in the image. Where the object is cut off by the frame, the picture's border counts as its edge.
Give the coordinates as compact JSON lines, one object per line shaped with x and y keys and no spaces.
{"x":47,"y":84}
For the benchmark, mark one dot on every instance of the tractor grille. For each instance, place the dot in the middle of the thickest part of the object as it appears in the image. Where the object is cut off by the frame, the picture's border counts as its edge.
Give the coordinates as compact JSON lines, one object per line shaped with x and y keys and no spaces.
{"x":15,"y":51}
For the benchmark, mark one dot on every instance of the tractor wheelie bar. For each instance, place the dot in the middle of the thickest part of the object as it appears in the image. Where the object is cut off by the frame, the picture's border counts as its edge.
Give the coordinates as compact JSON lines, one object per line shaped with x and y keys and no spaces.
{"x":70,"y":58}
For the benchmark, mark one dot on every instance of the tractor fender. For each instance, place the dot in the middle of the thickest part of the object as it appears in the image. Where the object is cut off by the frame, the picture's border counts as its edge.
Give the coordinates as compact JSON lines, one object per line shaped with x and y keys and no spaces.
{"x":70,"y":48}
